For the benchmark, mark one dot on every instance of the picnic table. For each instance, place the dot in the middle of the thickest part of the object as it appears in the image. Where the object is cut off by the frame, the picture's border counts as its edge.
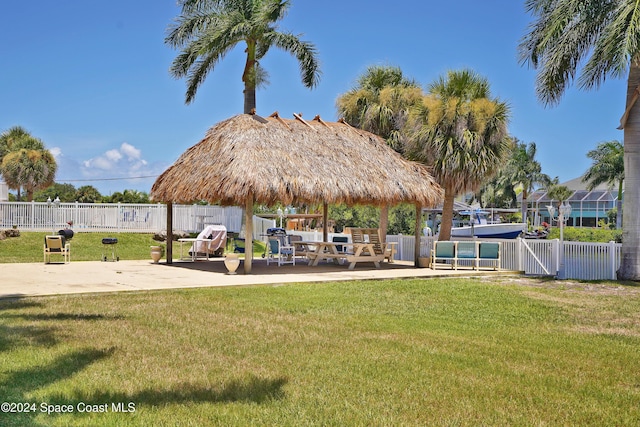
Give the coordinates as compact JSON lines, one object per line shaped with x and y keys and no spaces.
{"x":360,"y":252}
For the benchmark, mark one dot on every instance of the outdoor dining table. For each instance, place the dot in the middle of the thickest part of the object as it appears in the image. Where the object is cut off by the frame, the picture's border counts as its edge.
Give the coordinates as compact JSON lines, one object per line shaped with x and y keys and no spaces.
{"x":361,"y":252}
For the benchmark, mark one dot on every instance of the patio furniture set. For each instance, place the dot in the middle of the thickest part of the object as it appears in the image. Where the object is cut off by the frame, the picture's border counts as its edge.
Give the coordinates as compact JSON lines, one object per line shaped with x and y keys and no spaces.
{"x":366,"y":246}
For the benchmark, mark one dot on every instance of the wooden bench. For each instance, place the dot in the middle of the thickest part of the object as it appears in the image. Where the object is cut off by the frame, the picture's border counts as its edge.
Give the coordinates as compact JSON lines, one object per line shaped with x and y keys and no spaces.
{"x":372,"y":235}
{"x":452,"y":252}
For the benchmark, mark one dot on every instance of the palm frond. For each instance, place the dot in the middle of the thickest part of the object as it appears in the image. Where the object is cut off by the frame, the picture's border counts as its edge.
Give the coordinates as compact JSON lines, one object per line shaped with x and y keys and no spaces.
{"x":305,"y":53}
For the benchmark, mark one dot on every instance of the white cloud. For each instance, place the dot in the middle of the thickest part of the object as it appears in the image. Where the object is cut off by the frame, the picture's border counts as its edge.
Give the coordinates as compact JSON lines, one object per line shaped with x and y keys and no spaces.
{"x":114,"y":170}
{"x":111,"y":160}
{"x":56,"y":152}
{"x":130,"y":151}
{"x":113,"y":155}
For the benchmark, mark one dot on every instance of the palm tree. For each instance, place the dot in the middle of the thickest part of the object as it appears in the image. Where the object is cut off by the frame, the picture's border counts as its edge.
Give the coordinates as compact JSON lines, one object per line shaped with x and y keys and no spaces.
{"x":207,"y":30}
{"x":607,"y":167}
{"x":524,"y":170}
{"x":23,"y":153}
{"x":16,"y":138}
{"x":380,"y":103}
{"x":604,"y":37}
{"x":461,"y":132}
{"x":29,"y":169}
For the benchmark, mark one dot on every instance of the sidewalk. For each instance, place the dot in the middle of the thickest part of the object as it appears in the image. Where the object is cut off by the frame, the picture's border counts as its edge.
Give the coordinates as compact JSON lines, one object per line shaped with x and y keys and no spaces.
{"x":19,"y":280}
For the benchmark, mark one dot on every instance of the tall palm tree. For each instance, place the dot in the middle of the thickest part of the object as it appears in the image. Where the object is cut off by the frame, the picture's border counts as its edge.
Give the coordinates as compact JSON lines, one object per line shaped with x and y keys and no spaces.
{"x":29,"y":169}
{"x":16,"y":138}
{"x":23,"y":152}
{"x":380,"y":104}
{"x":461,"y":132}
{"x":604,"y":36}
{"x":207,"y":30}
{"x":607,"y":167}
{"x":524,"y":170}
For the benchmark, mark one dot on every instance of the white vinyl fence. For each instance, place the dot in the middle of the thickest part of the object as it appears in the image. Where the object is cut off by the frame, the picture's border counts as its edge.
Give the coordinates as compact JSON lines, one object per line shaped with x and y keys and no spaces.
{"x":584,"y":261}
{"x":116,"y":217}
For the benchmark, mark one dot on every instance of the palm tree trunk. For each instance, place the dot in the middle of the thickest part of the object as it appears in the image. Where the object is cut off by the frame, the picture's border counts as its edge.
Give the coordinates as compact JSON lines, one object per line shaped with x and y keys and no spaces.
{"x":524,"y":207}
{"x":619,"y":207}
{"x":447,"y":214}
{"x":249,"y":79}
{"x":630,"y":262}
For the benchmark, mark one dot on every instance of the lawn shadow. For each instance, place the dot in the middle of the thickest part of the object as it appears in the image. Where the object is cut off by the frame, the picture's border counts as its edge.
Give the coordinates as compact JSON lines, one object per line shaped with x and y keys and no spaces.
{"x":17,"y":302}
{"x":17,"y":385}
{"x":252,"y":389}
{"x":12,"y":336}
{"x":65,"y":316}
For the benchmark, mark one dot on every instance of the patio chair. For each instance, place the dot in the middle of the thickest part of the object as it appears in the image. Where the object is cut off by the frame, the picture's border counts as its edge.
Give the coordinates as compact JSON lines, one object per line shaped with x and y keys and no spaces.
{"x":238,"y":245}
{"x":56,"y":245}
{"x":277,"y":246}
{"x":301,"y":249}
{"x":372,"y":235}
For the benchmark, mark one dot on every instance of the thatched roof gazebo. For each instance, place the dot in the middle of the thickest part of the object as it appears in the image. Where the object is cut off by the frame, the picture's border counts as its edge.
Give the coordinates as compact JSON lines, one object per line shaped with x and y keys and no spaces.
{"x":248,"y":158}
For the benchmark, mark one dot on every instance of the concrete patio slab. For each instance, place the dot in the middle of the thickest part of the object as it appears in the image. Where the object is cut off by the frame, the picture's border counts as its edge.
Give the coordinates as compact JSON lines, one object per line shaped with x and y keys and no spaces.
{"x":31,"y":279}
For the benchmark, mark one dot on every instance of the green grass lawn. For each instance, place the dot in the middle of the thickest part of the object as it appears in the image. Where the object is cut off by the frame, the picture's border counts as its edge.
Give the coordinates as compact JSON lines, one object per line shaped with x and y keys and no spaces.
{"x":493,"y":351}
{"x":88,"y":247}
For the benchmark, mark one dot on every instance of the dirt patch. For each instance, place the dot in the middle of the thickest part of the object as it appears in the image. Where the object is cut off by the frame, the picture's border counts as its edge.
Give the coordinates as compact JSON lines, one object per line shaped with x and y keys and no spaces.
{"x":595,"y":308}
{"x":601,"y":288}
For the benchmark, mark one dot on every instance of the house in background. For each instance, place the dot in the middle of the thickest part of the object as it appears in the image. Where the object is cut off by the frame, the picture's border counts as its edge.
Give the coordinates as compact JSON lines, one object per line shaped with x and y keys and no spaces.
{"x":587,"y":207}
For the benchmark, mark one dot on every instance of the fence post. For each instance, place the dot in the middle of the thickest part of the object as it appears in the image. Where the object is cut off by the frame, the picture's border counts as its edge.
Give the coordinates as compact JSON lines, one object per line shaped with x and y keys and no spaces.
{"x":520,"y":254}
{"x":612,"y":260}
{"x":118,"y":217}
{"x":557,"y":249}
{"x":33,"y":214}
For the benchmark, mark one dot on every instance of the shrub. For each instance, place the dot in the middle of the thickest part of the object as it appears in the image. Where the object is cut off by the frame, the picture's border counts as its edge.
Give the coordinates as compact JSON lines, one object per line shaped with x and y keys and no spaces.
{"x":577,"y":234}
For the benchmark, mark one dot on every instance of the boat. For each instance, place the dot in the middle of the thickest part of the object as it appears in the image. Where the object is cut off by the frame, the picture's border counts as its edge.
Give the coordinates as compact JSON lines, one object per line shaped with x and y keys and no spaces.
{"x":480,"y":227}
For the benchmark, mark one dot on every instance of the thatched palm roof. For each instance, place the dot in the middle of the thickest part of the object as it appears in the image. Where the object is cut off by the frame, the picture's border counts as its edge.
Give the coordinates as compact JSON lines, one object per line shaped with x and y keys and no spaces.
{"x":294,"y":161}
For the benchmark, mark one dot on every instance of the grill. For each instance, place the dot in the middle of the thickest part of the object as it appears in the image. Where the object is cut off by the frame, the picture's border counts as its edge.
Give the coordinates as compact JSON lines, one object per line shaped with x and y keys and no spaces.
{"x":110,"y":244}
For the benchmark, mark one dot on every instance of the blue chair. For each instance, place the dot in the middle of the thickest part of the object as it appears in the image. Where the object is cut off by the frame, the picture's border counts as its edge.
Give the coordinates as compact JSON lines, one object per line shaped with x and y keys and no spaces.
{"x":238,"y":245}
{"x":280,"y":248}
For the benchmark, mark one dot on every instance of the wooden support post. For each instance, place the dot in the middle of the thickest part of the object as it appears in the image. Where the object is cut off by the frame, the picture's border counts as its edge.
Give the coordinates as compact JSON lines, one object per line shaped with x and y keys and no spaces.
{"x":384,"y":222}
{"x":417,"y":234}
{"x":325,"y":225}
{"x":248,"y":234}
{"x":169,"y":233}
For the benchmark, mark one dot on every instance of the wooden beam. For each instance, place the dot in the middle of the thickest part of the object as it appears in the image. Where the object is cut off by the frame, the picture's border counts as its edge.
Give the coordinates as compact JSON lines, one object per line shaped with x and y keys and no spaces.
{"x":318,"y":119}
{"x":325,"y":225}
{"x":276,"y":116}
{"x":299,"y":118}
{"x":248,"y":234}
{"x":169,"y":233}
{"x":417,"y":234}
{"x":384,"y":222}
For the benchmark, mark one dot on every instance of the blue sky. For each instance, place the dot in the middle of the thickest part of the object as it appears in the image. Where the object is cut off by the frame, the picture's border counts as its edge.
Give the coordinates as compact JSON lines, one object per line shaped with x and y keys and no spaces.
{"x":91,"y":79}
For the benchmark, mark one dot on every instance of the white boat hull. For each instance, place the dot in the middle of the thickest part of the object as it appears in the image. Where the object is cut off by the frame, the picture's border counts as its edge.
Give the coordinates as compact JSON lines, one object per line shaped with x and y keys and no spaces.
{"x":490,"y":231}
